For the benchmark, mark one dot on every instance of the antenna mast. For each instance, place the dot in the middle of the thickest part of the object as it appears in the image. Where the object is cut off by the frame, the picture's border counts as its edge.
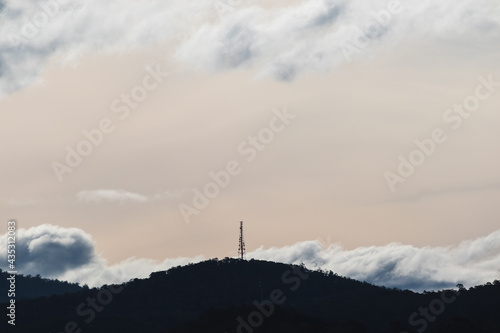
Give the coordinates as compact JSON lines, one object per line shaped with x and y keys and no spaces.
{"x":241,"y":247}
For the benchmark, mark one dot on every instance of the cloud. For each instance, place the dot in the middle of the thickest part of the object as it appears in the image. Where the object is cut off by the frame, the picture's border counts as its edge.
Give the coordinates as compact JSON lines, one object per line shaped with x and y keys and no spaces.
{"x":318,"y":35}
{"x":284,"y":42}
{"x":281,"y":42}
{"x":99,"y":273}
{"x":123,"y":196}
{"x":397,"y":265}
{"x":69,"y":254}
{"x":34,"y":32}
{"x":110,"y":196}
{"x":50,"y":250}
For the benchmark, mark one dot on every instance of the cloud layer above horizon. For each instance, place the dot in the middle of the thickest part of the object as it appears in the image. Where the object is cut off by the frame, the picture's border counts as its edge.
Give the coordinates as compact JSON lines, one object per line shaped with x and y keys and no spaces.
{"x":282,"y":42}
{"x":470,"y":263}
{"x":69,"y":254}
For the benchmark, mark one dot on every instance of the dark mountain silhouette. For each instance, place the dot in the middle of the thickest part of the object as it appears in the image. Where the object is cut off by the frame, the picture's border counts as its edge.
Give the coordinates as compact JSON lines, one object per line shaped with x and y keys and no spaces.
{"x":234,"y":295}
{"x":34,"y":286}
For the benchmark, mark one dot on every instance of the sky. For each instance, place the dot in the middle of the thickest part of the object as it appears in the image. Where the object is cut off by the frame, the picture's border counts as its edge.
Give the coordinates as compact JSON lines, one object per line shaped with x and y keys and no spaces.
{"x":355,"y":136}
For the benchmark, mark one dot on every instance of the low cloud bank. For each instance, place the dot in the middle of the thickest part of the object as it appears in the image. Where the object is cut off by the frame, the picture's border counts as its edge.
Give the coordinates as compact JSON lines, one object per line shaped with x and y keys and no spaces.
{"x":470,"y":263}
{"x":69,"y":254}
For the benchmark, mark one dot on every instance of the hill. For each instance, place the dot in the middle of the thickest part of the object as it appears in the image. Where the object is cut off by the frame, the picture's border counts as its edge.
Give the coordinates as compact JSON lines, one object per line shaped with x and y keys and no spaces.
{"x":34,"y":286}
{"x":233,"y":295}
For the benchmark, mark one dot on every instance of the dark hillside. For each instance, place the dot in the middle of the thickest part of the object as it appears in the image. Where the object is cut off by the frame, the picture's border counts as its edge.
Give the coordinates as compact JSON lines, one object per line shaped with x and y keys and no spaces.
{"x":34,"y":286}
{"x":257,"y":296}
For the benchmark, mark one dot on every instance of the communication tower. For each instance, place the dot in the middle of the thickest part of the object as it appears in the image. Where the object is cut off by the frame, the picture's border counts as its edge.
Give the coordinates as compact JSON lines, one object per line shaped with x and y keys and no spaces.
{"x":241,"y":246}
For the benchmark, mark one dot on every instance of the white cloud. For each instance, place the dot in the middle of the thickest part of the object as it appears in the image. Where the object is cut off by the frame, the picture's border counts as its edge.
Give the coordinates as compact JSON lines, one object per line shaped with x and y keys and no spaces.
{"x":397,"y":265}
{"x":283,"y":42}
{"x":122,"y":196}
{"x":307,"y":37}
{"x":110,"y":196}
{"x":69,"y":254}
{"x":99,"y":273}
{"x":32,"y":31}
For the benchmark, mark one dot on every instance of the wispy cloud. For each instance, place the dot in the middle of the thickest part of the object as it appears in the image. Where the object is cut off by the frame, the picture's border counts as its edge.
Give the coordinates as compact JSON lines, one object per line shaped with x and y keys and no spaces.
{"x":110,"y":196}
{"x":122,"y":196}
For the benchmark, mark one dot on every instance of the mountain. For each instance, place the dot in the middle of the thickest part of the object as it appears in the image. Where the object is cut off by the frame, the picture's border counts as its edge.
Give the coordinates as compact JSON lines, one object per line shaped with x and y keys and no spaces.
{"x":241,"y":296}
{"x":34,"y":286}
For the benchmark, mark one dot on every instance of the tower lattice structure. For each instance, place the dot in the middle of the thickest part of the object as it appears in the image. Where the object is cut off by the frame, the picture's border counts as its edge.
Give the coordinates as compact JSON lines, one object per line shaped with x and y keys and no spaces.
{"x":241,"y":246}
